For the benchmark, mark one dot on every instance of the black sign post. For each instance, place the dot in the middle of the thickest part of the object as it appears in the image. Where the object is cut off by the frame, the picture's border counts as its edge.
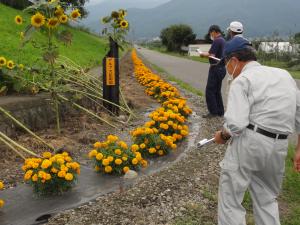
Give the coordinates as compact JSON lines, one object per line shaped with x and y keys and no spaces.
{"x":111,"y":77}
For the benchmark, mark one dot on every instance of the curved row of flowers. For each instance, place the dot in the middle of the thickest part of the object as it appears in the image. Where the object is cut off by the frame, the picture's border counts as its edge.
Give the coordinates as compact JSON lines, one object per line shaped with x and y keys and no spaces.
{"x":157,"y":137}
{"x":166,"y":127}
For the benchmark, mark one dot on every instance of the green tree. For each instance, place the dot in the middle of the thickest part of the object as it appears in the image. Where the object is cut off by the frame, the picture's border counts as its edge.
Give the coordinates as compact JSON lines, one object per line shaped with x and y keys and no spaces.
{"x":297,"y":38}
{"x":175,"y":36}
{"x":18,"y":4}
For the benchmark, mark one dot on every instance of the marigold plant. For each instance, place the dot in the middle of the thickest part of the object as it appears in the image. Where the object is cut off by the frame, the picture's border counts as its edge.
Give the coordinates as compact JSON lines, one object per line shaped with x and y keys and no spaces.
{"x":115,"y":157}
{"x":51,"y":174}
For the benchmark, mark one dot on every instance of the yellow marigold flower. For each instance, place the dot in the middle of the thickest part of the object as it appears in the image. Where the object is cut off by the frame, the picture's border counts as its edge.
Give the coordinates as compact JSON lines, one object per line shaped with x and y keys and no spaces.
{"x":144,"y":163}
{"x":97,"y":168}
{"x":118,"y":152}
{"x":138,"y":156}
{"x":69,"y":176}
{"x":61,"y":174}
{"x":134,"y":161}
{"x":97,"y":145}
{"x":75,"y":14}
{"x":10,"y":64}
{"x":173,"y":146}
{"x":1,"y":185}
{"x":160,"y":152}
{"x":108,"y":169}
{"x":105,"y":162}
{"x":1,"y":203}
{"x":134,"y":148}
{"x":123,"y":144}
{"x":124,"y":158}
{"x":152,"y":150}
{"x":28,"y":175}
{"x":63,"y":18}
{"x":68,"y":159}
{"x":35,"y":165}
{"x":60,"y":161}
{"x":18,"y":20}
{"x":46,"y":164}
{"x":110,"y":158}
{"x":47,"y":155}
{"x":112,"y":138}
{"x":54,"y":170}
{"x":38,"y":20}
{"x":34,"y":178}
{"x":125,"y":169}
{"x":142,"y":146}
{"x":48,"y":176}
{"x":52,"y":22}
{"x":65,"y":154}
{"x":118,"y":161}
{"x":93,"y":153}
{"x":99,"y":156}
{"x":2,"y":61}
{"x":75,"y":165}
{"x":64,"y":168}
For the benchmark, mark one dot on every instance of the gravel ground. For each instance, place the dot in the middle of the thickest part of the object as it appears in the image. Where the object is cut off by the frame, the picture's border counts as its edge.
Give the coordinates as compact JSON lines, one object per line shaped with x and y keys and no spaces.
{"x":182,"y":193}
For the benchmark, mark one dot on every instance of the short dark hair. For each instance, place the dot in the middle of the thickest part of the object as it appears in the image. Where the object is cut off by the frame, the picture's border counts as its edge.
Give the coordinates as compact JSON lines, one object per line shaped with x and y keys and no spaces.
{"x":244,"y":55}
{"x":215,"y":28}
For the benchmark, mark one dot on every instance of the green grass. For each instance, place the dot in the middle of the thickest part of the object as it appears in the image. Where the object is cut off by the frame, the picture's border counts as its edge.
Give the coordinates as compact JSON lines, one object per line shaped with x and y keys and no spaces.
{"x":86,"y":49}
{"x":181,"y":83}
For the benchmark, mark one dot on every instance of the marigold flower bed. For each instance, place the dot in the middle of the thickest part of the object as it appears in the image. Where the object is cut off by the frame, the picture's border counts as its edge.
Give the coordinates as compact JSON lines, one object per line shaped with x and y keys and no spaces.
{"x":157,"y":137}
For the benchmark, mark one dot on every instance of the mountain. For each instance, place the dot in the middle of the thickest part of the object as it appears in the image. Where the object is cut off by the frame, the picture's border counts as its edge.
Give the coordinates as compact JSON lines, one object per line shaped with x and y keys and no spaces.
{"x":260,"y":17}
{"x":98,"y":9}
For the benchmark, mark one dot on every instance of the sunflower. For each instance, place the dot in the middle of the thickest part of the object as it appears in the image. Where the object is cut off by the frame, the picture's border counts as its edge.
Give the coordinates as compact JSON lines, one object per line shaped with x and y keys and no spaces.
{"x":63,"y":18}
{"x":75,"y":14}
{"x":52,"y":22}
{"x":2,"y":61}
{"x":122,"y":13}
{"x":59,"y":12}
{"x":124,"y":24}
{"x":10,"y":64}
{"x":115,"y":14}
{"x":38,"y":20}
{"x":18,"y":20}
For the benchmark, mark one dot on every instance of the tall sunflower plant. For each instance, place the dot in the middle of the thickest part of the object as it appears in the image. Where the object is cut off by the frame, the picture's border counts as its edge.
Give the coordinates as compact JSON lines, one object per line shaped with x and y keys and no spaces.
{"x":116,"y":27}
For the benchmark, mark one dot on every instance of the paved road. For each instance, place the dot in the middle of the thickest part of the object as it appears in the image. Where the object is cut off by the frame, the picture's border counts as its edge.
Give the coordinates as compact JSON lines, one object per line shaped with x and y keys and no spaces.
{"x":189,"y":71}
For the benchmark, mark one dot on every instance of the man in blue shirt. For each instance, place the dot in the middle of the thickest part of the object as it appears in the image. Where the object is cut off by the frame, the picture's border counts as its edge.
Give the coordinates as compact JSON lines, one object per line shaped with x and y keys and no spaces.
{"x":216,"y":74}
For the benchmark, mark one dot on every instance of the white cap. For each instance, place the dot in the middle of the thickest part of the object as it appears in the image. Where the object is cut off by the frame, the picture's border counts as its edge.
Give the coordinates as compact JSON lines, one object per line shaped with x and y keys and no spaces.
{"x":236,"y":27}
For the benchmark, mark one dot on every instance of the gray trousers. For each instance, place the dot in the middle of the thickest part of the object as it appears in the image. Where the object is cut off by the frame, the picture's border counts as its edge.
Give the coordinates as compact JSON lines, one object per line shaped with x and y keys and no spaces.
{"x":256,"y":163}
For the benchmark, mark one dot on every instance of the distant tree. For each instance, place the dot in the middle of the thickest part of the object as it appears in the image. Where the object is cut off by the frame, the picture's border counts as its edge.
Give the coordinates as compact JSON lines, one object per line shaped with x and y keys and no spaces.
{"x":297,"y":38}
{"x":175,"y":36}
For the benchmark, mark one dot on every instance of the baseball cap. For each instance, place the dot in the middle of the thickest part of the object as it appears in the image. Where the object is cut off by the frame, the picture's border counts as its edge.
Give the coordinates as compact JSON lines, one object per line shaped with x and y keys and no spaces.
{"x":236,"y":27}
{"x":234,"y":45}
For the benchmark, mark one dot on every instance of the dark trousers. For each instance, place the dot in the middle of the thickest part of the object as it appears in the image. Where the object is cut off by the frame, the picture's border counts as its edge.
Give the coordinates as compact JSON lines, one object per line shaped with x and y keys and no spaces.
{"x":213,"y":94}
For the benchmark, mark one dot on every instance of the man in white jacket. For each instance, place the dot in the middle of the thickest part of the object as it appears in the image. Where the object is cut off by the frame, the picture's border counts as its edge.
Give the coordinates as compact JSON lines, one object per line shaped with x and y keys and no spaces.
{"x":263,"y":109}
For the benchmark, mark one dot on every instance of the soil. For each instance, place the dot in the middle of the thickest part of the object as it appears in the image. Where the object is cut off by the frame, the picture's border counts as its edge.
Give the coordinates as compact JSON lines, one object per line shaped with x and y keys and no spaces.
{"x":79,"y":131}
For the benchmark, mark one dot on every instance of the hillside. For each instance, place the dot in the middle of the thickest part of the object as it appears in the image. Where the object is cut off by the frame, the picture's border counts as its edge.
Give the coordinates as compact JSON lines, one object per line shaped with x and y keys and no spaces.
{"x":261,"y":18}
{"x":86,"y":49}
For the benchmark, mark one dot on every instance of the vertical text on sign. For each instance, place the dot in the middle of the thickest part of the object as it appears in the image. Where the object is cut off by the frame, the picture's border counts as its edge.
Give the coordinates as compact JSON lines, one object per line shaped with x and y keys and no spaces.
{"x":110,"y":71}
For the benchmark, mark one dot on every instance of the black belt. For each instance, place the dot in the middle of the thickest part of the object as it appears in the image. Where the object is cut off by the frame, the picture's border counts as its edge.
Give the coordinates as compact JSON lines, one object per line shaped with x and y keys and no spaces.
{"x":267,"y":133}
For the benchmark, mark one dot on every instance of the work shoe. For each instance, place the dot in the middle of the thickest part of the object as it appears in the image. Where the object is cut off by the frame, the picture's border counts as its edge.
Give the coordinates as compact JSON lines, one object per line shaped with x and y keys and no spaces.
{"x":209,"y":115}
